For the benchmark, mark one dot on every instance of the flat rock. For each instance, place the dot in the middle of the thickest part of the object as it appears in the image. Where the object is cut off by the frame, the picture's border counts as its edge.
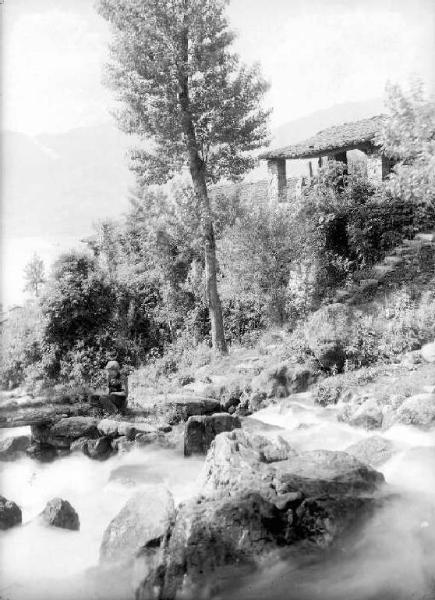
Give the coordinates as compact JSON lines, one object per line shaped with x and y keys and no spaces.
{"x":60,"y":513}
{"x":114,"y":428}
{"x":72,"y":428}
{"x":176,"y":408}
{"x":10,"y":513}
{"x":18,"y":416}
{"x":142,"y":522}
{"x":319,"y":472}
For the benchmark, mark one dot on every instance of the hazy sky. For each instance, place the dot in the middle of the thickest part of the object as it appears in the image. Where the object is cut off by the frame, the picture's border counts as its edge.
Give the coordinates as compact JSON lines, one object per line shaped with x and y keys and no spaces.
{"x":315,"y":53}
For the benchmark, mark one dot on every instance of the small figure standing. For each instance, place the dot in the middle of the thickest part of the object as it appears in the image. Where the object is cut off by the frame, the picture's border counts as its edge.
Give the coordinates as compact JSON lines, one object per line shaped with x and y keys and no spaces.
{"x":116,"y":400}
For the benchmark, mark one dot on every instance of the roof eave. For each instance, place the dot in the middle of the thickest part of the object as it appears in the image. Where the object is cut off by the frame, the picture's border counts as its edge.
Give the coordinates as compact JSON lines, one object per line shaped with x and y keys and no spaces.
{"x":284,"y":153}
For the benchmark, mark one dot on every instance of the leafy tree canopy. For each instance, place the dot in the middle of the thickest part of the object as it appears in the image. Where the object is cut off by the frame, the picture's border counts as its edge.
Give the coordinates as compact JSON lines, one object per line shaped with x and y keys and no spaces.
{"x":167,"y":51}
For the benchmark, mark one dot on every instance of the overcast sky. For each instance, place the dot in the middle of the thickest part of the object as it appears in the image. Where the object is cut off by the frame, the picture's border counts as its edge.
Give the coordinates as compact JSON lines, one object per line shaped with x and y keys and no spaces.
{"x":315,"y":53}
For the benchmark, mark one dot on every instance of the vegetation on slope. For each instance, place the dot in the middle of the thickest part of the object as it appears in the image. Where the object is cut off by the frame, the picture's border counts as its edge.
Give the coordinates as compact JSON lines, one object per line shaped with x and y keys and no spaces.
{"x":138,"y":292}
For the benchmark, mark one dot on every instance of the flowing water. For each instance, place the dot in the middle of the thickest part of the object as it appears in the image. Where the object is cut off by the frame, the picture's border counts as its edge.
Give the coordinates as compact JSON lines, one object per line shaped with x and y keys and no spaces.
{"x":393,"y":558}
{"x":36,"y":561}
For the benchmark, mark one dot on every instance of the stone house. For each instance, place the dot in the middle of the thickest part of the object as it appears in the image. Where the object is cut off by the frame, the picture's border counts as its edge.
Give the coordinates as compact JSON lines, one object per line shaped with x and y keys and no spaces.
{"x":351,"y":143}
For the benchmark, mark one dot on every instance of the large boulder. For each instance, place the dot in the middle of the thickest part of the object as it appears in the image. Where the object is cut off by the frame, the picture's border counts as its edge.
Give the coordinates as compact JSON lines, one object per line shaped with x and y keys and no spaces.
{"x":239,"y":461}
{"x":235,"y":462}
{"x":416,"y":410}
{"x":211,"y":535}
{"x":328,"y":333}
{"x":10,"y":513}
{"x":141,"y":523}
{"x":256,"y":497}
{"x":60,"y":513}
{"x":428,"y":352}
{"x":200,"y":431}
{"x":12,"y":447}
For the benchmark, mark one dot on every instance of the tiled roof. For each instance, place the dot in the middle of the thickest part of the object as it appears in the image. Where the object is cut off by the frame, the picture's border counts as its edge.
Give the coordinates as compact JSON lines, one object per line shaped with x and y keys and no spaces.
{"x":340,"y":137}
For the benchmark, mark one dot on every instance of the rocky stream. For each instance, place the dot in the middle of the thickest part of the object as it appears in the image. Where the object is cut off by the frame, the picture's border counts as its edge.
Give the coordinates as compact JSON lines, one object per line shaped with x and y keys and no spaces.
{"x":294,"y":501}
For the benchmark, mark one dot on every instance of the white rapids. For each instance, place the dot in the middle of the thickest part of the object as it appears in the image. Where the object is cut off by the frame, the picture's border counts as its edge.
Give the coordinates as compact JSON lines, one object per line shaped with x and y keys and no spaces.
{"x":394,"y":559}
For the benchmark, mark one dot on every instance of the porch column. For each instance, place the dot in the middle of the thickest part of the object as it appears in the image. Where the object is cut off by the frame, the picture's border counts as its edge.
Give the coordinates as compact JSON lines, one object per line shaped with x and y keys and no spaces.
{"x":277,"y":180}
{"x":378,"y":166}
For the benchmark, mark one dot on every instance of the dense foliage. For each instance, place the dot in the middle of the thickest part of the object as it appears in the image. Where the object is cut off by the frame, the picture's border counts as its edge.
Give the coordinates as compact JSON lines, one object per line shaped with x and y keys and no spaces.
{"x":139,"y":291}
{"x":186,"y":95}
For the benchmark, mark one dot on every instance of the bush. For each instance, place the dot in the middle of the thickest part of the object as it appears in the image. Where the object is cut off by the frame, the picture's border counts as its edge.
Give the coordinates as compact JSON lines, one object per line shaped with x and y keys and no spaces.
{"x":403,"y":323}
{"x":408,"y":138}
{"x":255,"y":256}
{"x":21,"y":344}
{"x":381,"y":223}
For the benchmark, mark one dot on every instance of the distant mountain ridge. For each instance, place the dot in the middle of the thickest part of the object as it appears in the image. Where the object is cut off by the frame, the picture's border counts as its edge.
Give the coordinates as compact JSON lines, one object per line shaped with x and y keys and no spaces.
{"x":59,"y":184}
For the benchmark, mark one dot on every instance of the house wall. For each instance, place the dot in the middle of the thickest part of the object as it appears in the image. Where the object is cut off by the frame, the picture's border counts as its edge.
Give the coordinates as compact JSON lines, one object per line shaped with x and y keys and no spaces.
{"x":277,"y":180}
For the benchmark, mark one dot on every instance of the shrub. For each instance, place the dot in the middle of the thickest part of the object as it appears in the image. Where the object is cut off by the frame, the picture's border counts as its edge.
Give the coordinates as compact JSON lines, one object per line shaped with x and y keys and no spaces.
{"x":21,"y":344}
{"x":403,"y":323}
{"x":255,"y":256}
{"x":409,"y":139}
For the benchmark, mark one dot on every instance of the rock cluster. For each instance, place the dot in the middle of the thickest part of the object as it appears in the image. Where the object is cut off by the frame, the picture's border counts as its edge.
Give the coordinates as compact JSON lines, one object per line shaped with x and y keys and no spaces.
{"x":256,"y":497}
{"x":380,"y":412}
{"x":96,"y":438}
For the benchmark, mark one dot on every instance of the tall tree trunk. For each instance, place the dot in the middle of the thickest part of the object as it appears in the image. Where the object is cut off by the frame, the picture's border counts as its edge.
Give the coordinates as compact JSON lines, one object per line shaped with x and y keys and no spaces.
{"x":197,"y":173}
{"x":196,"y":168}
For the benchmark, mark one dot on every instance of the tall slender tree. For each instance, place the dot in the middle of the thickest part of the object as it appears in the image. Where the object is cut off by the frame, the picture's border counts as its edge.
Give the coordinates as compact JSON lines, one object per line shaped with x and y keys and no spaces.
{"x":183,"y":88}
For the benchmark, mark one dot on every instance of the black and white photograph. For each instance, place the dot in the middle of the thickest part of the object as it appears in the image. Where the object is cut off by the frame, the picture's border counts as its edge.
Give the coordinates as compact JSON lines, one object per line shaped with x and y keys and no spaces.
{"x":217,"y":300}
